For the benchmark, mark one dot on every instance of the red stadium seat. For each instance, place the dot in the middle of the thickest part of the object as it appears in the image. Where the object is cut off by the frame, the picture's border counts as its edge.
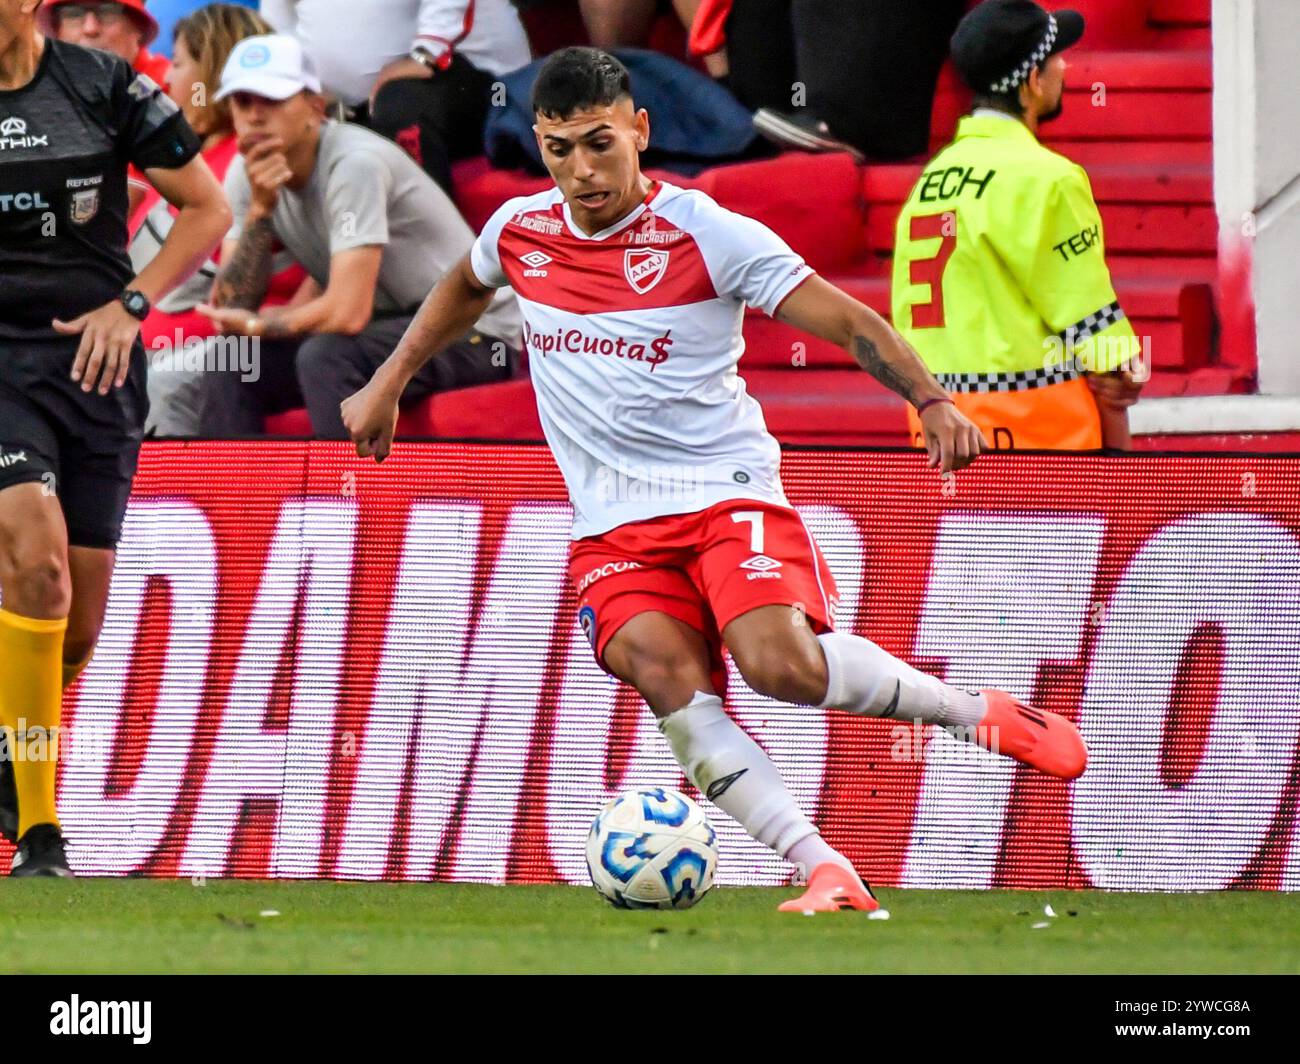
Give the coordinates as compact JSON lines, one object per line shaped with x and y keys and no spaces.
{"x":846,"y":407}
{"x":289,"y":423}
{"x":505,"y":411}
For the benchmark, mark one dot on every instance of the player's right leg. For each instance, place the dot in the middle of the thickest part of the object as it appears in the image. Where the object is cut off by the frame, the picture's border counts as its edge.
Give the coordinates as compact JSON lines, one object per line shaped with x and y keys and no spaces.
{"x":91,"y":572}
{"x":35,"y":590}
{"x":650,"y":627}
{"x":837,"y":670}
{"x":665,"y":659}
{"x":669,"y":663}
{"x":65,"y":475}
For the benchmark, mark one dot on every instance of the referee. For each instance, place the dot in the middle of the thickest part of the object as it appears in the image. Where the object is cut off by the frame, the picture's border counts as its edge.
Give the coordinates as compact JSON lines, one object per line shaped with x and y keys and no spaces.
{"x":1000,"y":278}
{"x":72,"y":369}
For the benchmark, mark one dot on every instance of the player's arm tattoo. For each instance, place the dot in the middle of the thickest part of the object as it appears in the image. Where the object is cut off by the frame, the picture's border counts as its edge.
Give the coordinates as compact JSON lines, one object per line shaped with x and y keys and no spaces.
{"x":243,"y":280}
{"x":890,"y":375}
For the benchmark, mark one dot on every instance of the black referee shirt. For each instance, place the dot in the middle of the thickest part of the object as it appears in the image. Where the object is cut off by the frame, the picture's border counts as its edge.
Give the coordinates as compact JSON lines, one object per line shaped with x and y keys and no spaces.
{"x":66,"y":138}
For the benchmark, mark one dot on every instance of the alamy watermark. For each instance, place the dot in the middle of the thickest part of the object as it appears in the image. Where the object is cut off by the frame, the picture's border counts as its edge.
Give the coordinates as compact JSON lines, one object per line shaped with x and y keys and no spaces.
{"x":911,"y":741}
{"x":207,"y":354}
{"x":655,"y":482}
{"x":86,"y":744}
{"x":133,"y":1019}
{"x":1101,"y":354}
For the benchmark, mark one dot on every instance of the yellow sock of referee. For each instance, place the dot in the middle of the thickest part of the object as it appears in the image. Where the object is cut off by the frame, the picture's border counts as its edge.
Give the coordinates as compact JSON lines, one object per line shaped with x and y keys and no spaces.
{"x":31,"y":698}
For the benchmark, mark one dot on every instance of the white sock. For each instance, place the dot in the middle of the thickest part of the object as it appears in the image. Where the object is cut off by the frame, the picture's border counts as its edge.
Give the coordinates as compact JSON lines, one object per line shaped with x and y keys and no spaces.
{"x":866,"y":680}
{"x":813,"y":851}
{"x":716,"y":754}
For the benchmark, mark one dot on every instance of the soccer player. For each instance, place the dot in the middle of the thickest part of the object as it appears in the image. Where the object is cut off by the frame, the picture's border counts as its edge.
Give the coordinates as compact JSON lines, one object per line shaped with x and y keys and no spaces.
{"x":72,"y":390}
{"x":633,"y":294}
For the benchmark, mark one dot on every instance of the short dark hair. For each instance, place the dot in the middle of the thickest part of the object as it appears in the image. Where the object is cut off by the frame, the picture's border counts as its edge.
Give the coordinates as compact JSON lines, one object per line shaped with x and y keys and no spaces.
{"x":1008,"y":101}
{"x":574,"y":79}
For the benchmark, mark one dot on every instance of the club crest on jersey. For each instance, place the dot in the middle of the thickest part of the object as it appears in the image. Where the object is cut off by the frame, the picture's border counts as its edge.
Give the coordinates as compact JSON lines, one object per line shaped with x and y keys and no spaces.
{"x":644,"y":268}
{"x":85,"y":205}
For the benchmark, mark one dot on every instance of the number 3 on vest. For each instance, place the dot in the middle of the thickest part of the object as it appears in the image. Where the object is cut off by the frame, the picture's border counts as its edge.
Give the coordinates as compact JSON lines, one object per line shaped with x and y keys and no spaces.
{"x":930,"y":271}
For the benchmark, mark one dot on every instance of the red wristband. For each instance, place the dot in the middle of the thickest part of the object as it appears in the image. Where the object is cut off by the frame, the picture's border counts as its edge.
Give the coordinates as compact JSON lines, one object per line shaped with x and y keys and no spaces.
{"x":930,"y":402}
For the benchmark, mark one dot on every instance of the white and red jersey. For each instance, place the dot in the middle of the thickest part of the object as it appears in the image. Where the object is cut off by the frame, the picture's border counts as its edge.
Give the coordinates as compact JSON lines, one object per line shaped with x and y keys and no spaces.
{"x":633,"y":338}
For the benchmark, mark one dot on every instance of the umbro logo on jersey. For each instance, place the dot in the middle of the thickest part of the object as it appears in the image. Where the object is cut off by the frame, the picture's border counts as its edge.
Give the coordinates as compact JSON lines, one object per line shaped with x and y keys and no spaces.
{"x":761,"y":567}
{"x":535,"y":260}
{"x":13,"y":134}
{"x":644,"y":268}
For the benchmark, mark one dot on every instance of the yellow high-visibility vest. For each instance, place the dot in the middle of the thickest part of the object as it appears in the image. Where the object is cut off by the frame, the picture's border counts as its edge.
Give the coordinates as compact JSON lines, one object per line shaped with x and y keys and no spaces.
{"x":1000,"y":283}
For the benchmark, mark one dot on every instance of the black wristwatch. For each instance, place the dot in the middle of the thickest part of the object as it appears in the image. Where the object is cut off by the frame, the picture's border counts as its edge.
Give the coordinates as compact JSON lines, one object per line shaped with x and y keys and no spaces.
{"x":136,"y":303}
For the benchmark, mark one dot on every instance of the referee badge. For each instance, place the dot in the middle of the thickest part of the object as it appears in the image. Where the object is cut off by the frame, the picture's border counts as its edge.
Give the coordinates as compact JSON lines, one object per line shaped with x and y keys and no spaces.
{"x":85,"y":205}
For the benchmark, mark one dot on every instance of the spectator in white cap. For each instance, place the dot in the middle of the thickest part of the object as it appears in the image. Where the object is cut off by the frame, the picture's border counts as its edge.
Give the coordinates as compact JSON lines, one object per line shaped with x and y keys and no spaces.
{"x":418,"y":71}
{"x":373,"y":232}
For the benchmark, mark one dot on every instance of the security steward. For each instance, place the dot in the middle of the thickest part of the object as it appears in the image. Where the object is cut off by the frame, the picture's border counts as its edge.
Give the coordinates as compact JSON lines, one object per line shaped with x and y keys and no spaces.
{"x":1000,"y":278}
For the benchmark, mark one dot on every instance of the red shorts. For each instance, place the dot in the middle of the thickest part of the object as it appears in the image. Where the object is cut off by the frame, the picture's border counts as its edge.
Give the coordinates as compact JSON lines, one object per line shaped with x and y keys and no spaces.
{"x":705,"y":569}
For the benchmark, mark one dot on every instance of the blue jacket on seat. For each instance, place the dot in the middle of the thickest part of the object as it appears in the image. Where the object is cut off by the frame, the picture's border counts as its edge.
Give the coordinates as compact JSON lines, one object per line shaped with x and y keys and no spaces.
{"x":694,"y":122}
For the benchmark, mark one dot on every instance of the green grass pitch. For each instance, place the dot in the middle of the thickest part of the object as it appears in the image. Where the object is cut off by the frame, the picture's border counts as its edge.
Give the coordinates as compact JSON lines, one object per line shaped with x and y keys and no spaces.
{"x":161,"y":926}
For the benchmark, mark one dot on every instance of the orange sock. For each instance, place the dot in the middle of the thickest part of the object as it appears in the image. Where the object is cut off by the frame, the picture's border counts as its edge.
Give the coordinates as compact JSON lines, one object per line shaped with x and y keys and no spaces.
{"x":31,"y":698}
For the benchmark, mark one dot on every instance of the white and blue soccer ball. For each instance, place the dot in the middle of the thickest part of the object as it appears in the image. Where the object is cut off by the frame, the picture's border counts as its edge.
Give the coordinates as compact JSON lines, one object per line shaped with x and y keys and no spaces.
{"x":652,"y":848}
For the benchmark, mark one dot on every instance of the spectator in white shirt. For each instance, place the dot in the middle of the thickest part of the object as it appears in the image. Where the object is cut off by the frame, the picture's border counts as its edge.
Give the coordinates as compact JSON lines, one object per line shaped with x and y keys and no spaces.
{"x":418,"y":71}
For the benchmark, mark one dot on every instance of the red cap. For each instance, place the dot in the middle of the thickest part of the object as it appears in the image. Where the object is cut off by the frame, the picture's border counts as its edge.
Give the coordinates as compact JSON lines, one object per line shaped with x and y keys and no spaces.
{"x":135,"y":8}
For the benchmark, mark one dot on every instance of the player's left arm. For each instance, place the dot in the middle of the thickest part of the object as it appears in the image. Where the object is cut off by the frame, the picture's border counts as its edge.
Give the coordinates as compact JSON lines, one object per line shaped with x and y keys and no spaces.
{"x":152,"y":134}
{"x":816,"y":306}
{"x":203,"y":218}
{"x":103,"y":357}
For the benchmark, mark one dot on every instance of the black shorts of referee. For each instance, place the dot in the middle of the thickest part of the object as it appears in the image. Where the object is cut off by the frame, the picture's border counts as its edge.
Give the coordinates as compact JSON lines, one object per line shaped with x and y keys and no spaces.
{"x":81,"y":445}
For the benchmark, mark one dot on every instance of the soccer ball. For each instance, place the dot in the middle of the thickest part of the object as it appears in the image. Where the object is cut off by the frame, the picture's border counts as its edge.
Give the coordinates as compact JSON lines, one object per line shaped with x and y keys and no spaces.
{"x":652,"y":848}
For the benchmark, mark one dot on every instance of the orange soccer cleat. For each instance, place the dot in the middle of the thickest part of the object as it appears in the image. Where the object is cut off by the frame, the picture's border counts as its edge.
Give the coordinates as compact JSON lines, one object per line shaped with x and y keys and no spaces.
{"x":832,"y":888}
{"x":1035,"y":737}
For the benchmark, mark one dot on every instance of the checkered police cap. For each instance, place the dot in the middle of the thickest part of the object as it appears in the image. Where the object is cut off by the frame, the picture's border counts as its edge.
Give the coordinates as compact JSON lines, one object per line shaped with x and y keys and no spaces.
{"x":1000,"y":42}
